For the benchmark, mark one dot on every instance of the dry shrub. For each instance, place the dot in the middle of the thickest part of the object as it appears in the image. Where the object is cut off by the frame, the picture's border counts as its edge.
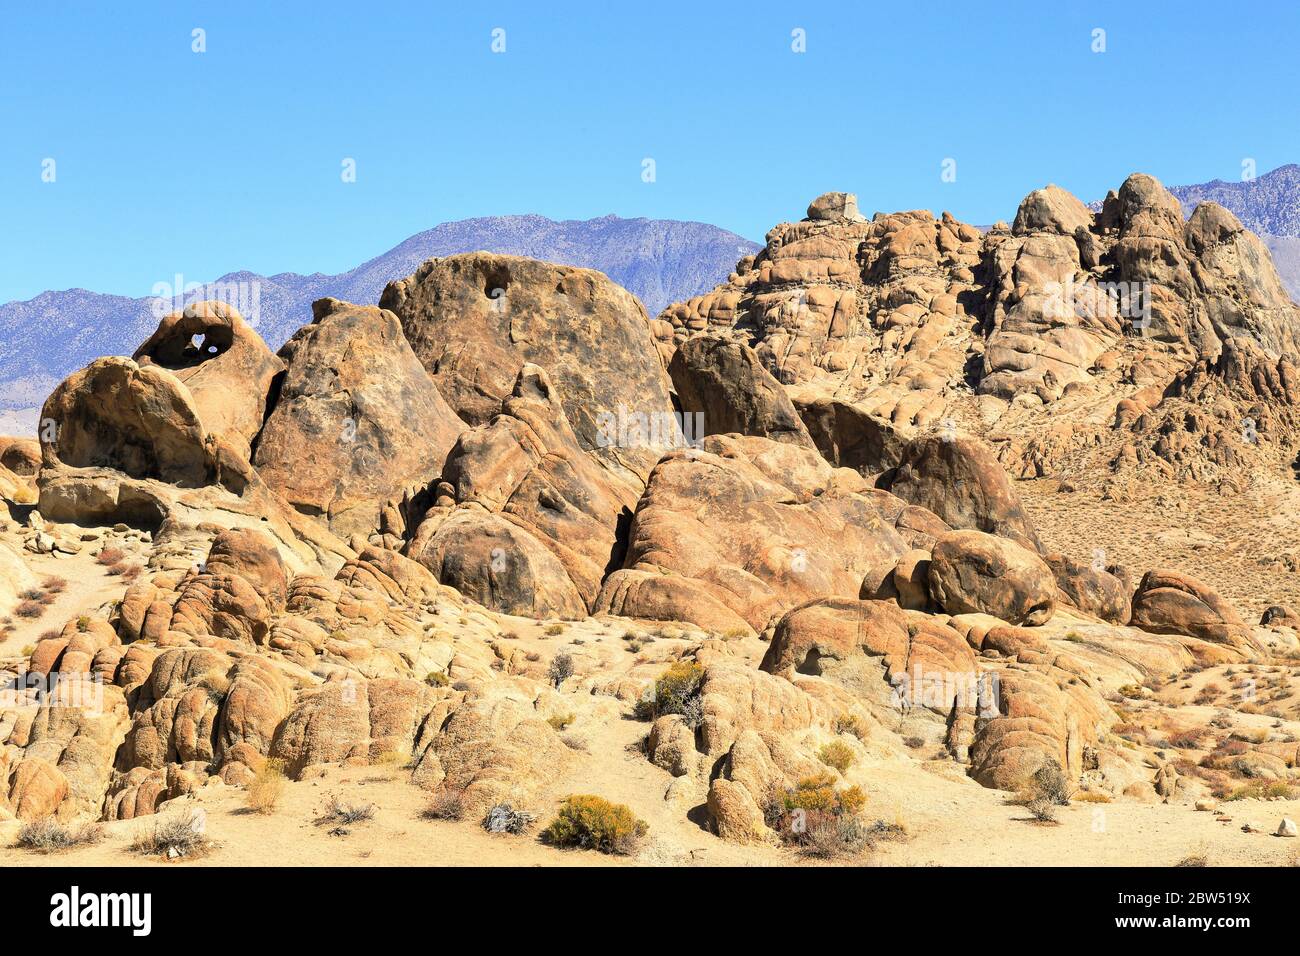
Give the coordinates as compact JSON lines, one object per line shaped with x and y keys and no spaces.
{"x":267,"y":787}
{"x":448,"y":803}
{"x":55,"y":585}
{"x":48,"y":835}
{"x":853,"y":724}
{"x":561,"y":669}
{"x":174,"y":837}
{"x":1263,"y":790}
{"x":110,"y":556}
{"x":30,"y":609}
{"x":593,"y":823}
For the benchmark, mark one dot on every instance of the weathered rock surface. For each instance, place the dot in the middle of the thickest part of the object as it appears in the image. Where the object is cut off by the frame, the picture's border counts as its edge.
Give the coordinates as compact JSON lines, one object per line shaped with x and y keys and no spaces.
{"x":723,"y":381}
{"x":224,"y":364}
{"x":1168,"y":602}
{"x":357,"y":423}
{"x":474,"y":320}
{"x":759,"y":525}
{"x":1092,"y":590}
{"x":974,"y":572}
{"x":530,"y":523}
{"x":959,"y":479}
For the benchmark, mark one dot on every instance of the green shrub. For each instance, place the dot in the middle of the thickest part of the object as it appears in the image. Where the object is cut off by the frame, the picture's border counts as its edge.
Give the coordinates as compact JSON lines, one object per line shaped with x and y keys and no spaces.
{"x":677,"y":691}
{"x":1262,"y":790}
{"x":837,"y":754}
{"x":593,"y":823}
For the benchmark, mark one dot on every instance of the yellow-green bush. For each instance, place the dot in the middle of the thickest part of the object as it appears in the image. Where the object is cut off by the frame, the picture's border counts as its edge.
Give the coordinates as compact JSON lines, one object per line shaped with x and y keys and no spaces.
{"x":836,"y":754}
{"x":593,"y":823}
{"x":675,"y":692}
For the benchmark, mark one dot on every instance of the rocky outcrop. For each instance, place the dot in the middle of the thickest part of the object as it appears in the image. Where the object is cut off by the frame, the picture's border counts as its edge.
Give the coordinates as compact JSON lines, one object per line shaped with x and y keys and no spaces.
{"x":1067,"y":325}
{"x":758,"y":525}
{"x":959,"y":479}
{"x":971,"y":571}
{"x":357,"y":424}
{"x":1093,"y":590}
{"x":20,"y":460}
{"x":474,"y":320}
{"x":139,"y":420}
{"x":224,"y":364}
{"x":527,"y":522}
{"x":723,"y":381}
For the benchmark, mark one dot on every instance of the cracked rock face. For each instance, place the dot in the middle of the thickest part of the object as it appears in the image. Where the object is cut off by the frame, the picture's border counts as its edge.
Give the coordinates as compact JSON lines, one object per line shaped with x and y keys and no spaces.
{"x":474,"y":320}
{"x":357,"y":421}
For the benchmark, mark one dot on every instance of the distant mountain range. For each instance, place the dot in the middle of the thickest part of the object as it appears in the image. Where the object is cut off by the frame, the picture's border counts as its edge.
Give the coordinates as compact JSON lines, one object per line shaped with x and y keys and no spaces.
{"x":1268,"y":204}
{"x":46,"y":338}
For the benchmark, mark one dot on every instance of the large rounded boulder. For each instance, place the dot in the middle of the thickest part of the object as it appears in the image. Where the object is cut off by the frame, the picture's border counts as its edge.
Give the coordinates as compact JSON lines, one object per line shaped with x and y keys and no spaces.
{"x":358,"y":420}
{"x":959,"y":479}
{"x":475,"y":319}
{"x":139,"y":420}
{"x":974,"y":572}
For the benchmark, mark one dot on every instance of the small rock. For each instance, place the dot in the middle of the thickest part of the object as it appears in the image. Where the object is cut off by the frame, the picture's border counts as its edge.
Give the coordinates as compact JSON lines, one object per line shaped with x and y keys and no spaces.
{"x":1286,"y":828}
{"x":1209,"y":806}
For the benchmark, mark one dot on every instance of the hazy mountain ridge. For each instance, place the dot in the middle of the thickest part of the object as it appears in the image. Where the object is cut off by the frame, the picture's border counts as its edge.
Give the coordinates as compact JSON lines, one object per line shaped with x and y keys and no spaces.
{"x":660,"y":261}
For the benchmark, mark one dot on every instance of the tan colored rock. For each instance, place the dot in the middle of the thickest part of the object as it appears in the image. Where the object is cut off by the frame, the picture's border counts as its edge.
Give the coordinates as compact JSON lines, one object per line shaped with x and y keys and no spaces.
{"x":475,"y":320}
{"x":971,"y":571}
{"x":534,"y":525}
{"x":251,"y":554}
{"x":1092,"y":590}
{"x":724,"y":383}
{"x":761,"y":525}
{"x":958,"y":479}
{"x":357,"y":421}
{"x":140,"y":420}
{"x":1169,"y":602}
{"x":223,"y":363}
{"x":734,"y":814}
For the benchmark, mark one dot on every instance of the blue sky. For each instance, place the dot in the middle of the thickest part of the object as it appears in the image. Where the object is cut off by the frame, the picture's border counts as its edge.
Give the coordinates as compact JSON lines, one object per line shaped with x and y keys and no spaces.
{"x":169,"y":161}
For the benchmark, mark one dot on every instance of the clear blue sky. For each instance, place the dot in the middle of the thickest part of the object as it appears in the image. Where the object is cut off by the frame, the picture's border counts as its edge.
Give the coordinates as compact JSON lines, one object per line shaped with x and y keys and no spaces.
{"x":168,"y":161}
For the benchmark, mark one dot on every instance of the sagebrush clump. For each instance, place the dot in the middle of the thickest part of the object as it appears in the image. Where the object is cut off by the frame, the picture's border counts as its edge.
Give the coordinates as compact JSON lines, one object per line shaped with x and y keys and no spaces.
{"x":676,"y":691}
{"x":48,"y":835}
{"x":589,"y":822}
{"x":174,"y":837}
{"x":820,"y":819}
{"x":267,"y":787}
